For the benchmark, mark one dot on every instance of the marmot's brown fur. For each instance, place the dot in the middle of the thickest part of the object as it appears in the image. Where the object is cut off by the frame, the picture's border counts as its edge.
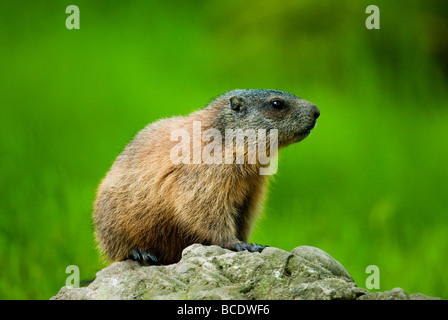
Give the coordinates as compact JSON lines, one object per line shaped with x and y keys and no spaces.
{"x":149,"y":208}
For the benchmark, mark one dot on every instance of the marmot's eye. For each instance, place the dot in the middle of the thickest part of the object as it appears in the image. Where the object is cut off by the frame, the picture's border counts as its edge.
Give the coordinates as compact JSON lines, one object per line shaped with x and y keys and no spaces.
{"x":278,"y":104}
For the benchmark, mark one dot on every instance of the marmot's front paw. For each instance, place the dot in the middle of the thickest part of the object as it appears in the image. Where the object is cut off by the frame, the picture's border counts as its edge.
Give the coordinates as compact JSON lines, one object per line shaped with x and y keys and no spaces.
{"x":144,"y":257}
{"x":251,"y":247}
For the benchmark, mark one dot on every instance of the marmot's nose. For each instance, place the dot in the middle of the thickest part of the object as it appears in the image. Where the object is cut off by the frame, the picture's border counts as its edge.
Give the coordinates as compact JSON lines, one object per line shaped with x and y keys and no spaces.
{"x":315,"y":111}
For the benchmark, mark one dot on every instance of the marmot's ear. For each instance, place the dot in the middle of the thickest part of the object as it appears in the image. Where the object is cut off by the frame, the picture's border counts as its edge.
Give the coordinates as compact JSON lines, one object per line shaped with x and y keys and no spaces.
{"x":237,"y":103}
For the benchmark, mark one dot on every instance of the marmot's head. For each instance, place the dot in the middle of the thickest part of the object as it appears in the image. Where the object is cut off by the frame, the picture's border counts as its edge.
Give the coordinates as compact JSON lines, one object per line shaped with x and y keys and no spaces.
{"x":292,"y":116}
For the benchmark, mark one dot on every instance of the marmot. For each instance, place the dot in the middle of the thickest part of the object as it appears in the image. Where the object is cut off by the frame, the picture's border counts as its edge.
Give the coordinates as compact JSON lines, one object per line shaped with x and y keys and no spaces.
{"x":149,"y":209}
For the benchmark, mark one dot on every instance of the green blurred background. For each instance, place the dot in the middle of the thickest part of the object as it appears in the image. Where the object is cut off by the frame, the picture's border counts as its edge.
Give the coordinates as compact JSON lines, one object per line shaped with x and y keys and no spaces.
{"x":369,"y":186}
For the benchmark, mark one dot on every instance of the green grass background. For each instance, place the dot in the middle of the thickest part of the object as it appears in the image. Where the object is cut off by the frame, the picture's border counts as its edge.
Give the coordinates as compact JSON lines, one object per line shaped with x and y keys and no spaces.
{"x":369,"y":186}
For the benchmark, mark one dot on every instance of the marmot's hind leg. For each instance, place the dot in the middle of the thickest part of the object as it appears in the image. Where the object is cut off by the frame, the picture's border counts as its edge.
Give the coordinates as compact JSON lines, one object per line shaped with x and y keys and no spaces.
{"x":144,"y":257}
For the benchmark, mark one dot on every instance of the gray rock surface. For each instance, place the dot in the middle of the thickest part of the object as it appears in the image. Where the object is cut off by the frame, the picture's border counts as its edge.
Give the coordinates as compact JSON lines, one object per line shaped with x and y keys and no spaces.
{"x":211,"y":272}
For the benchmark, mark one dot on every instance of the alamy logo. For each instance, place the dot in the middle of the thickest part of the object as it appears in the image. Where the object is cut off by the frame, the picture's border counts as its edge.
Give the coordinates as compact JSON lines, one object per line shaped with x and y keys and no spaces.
{"x":238,"y":146}
{"x":73,"y":279}
{"x":72,"y":21}
{"x":373,"y":281}
{"x":373,"y":20}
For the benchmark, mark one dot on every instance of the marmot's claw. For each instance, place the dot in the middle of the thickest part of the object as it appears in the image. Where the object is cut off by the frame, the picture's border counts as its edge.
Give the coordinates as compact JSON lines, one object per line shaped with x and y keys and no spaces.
{"x":251,"y":247}
{"x":144,"y":257}
{"x":254,"y":247}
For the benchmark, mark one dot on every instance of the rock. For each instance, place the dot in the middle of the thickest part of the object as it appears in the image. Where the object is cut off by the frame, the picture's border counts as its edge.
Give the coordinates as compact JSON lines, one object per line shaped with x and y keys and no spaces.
{"x":211,"y":272}
{"x":395,"y":294}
